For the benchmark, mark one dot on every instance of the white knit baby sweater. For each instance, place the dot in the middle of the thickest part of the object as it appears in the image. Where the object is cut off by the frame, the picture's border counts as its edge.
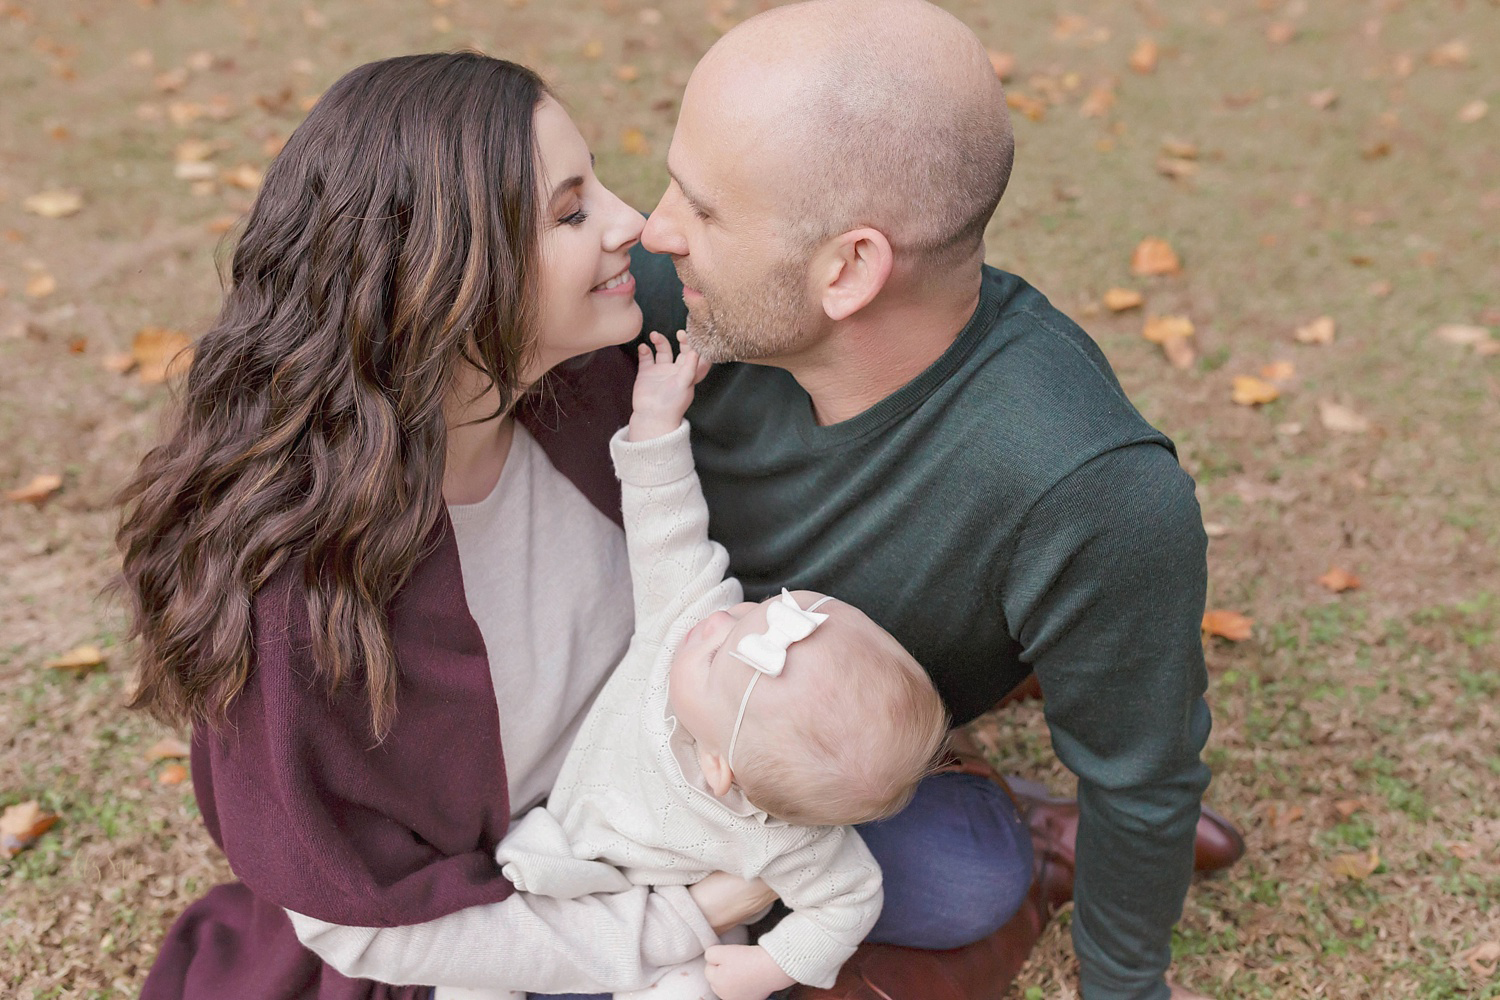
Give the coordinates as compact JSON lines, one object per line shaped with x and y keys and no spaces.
{"x":631,"y":805}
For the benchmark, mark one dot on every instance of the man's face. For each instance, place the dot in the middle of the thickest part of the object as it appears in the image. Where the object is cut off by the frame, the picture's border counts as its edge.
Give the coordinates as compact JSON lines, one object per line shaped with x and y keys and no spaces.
{"x":745,"y":282}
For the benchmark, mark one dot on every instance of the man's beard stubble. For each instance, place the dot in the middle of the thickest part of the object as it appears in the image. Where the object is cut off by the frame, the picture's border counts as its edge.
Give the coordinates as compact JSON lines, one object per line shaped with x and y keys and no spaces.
{"x":748,"y":323}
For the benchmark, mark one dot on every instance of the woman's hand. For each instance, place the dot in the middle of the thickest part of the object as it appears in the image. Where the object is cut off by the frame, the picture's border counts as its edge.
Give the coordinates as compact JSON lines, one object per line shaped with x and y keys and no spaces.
{"x":728,"y":900}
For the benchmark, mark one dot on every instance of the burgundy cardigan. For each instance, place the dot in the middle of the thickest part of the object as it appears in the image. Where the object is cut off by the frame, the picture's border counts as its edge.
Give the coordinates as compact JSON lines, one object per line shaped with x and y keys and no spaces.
{"x":314,"y":818}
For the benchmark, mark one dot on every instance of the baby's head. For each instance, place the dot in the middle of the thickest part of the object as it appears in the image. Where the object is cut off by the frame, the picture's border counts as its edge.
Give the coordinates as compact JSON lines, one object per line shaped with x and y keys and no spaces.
{"x":842,"y":734}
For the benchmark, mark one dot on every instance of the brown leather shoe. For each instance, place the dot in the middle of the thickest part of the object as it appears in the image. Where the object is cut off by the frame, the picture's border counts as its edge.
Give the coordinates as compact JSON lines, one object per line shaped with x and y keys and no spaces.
{"x":1217,"y":845}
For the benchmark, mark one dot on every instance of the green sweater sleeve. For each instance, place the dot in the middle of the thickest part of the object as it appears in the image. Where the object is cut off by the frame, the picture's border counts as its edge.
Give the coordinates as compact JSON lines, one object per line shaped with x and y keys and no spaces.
{"x":1105,"y":590}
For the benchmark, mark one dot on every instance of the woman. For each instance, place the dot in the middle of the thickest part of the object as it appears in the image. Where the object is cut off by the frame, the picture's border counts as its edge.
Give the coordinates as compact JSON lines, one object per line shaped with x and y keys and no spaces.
{"x":377,"y":521}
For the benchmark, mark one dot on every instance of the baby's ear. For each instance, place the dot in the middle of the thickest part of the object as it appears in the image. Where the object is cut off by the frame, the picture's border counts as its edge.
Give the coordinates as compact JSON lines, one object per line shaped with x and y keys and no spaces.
{"x":716,"y":772}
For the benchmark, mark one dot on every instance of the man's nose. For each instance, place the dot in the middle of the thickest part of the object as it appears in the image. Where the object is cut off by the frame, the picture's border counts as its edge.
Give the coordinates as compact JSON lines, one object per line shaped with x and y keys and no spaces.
{"x":662,"y":234}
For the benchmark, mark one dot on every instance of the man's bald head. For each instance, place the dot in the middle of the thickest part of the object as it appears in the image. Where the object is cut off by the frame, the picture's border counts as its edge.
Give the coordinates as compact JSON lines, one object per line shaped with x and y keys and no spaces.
{"x":878,"y":113}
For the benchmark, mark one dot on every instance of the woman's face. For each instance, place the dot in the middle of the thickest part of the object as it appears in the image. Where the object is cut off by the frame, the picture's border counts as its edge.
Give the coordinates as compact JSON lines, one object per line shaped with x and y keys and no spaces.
{"x":587,"y":295}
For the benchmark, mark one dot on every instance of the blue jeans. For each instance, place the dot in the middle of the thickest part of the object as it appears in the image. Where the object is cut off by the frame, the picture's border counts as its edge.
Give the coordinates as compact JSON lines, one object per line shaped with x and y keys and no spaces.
{"x":957,"y":865}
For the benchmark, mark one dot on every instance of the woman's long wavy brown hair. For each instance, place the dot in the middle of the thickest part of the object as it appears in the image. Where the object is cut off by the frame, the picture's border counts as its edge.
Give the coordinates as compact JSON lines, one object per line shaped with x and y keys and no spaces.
{"x":394,"y":239}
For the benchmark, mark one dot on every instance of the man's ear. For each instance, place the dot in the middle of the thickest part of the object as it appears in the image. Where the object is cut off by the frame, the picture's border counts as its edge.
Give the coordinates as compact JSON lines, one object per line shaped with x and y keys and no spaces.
{"x":715,"y":771}
{"x":854,"y":269}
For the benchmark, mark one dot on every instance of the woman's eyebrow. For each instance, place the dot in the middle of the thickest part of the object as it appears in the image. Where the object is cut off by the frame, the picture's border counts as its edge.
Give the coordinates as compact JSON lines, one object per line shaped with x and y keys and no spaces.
{"x":572,"y":182}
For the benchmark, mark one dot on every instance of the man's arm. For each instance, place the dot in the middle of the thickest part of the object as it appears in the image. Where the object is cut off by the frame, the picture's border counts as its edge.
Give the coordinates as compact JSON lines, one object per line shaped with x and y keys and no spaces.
{"x":1105,"y":591}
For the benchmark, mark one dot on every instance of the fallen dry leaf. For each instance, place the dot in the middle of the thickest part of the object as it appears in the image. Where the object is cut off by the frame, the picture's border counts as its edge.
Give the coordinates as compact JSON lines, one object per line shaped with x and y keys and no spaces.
{"x":633,"y":142}
{"x":1380,"y":289}
{"x":1251,"y":391}
{"x":167,"y":748}
{"x":1144,"y":56}
{"x":40,"y":285}
{"x":1280,"y":32}
{"x":172,"y":774}
{"x":1356,"y":866}
{"x":1347,"y":807}
{"x":593,"y":49}
{"x":172,"y":80}
{"x":1175,"y":167}
{"x":1473,"y":111}
{"x":1031,"y":107}
{"x":1341,"y":419}
{"x":627,"y":73}
{"x":1319,"y":331}
{"x":1003,"y":63}
{"x":1482,"y":959}
{"x":1281,"y":815}
{"x":1154,"y":256}
{"x":194,"y":150}
{"x":194,"y":170}
{"x":1323,"y":99}
{"x":1098,"y":102}
{"x":1121,"y":299}
{"x":1450,"y":54}
{"x":21,"y":825}
{"x":120,"y":364}
{"x":245,"y":177}
{"x":80,"y":660}
{"x":1229,"y":625}
{"x":1278,"y":371}
{"x":1181,"y":149}
{"x":56,"y":204}
{"x":1160,"y":329}
{"x":37,"y":491}
{"x":1338,"y":580}
{"x":161,"y":353}
{"x":1462,"y":334}
{"x":1462,"y":850}
{"x":1179,"y":352}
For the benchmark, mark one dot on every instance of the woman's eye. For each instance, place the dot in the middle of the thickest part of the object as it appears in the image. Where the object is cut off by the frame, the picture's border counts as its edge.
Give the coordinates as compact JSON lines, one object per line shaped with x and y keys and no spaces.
{"x":577,"y":218}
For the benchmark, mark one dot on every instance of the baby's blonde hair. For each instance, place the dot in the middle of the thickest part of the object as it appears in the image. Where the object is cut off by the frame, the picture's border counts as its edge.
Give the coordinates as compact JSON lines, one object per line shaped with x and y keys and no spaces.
{"x":866,"y":727}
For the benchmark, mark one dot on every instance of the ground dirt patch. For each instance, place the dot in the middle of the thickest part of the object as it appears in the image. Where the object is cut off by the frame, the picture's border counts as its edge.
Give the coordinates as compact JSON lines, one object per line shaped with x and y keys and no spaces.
{"x":1302,"y":159}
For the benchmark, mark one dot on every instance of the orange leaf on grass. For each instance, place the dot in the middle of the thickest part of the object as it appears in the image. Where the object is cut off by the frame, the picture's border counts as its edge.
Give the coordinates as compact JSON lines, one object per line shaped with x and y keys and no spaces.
{"x":1251,"y":391}
{"x":1154,"y":256}
{"x":1031,"y":107}
{"x":1278,"y":371}
{"x":37,"y":491}
{"x":1160,"y":329}
{"x":21,"y":825}
{"x":1003,"y":63}
{"x":1229,"y":625}
{"x":1338,"y":580}
{"x":1121,"y":299}
{"x":1356,"y":866}
{"x":167,"y":748}
{"x":161,"y":353}
{"x":79,"y":660}
{"x":172,"y":774}
{"x":1144,"y":56}
{"x":1319,"y":331}
{"x":1347,"y":807}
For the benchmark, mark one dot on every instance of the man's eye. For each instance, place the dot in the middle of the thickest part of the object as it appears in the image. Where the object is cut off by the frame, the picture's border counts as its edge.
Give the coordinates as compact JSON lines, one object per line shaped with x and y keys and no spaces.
{"x":577,"y":218}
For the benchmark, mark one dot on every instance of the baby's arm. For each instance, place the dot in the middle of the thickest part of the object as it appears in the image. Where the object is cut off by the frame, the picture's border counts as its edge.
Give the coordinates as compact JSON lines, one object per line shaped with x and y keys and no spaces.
{"x":832,"y":884}
{"x":672,"y":562}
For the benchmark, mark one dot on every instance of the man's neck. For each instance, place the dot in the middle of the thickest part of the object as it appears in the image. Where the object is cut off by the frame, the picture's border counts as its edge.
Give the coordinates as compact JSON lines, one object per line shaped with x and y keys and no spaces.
{"x":868,"y":357}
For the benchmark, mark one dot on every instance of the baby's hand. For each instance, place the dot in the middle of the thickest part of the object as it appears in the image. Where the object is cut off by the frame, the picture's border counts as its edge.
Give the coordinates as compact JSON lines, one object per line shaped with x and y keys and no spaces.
{"x":744,"y":972}
{"x":663,"y":388}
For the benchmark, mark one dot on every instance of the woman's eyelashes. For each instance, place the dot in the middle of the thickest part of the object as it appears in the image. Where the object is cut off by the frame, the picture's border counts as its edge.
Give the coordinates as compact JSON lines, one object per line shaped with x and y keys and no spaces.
{"x":577,"y":218}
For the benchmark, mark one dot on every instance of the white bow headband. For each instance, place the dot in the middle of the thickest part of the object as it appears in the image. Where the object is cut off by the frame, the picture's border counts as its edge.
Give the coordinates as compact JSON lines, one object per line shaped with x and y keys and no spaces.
{"x":786,"y":623}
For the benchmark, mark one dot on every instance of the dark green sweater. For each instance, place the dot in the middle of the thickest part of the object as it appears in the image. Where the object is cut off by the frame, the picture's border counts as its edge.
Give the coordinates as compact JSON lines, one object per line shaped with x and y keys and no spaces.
{"x":1007,"y":511}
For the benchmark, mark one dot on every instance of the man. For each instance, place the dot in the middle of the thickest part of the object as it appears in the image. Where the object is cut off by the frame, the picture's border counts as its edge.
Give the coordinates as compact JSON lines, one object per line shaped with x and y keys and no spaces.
{"x":931,"y":440}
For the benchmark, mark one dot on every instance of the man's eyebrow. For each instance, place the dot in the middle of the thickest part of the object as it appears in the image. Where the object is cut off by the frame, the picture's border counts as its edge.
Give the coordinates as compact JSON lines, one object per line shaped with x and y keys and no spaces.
{"x":575,"y":181}
{"x":695,"y":201}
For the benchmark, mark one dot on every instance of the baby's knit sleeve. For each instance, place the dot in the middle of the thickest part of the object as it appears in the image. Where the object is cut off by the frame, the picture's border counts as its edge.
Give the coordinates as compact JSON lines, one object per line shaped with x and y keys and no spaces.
{"x":832,"y":884}
{"x":673,"y":565}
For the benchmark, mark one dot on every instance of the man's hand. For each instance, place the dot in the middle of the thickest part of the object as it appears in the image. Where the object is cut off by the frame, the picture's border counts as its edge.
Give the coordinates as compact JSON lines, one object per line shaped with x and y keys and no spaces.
{"x":728,"y":900}
{"x":744,"y":972}
{"x":663,"y":388}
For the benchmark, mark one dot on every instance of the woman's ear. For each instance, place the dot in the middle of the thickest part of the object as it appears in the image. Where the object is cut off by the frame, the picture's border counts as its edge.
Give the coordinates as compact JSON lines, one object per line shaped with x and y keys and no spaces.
{"x":716,"y":772}
{"x":854,"y":270}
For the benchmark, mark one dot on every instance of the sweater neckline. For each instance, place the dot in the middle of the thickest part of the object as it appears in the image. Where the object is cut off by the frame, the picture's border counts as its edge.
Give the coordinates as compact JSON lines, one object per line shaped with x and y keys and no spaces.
{"x":483,"y":511}
{"x":823,"y":437}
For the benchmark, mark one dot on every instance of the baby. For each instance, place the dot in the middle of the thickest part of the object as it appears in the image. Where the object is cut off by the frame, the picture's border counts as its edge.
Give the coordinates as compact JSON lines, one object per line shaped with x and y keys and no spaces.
{"x":734,"y":736}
